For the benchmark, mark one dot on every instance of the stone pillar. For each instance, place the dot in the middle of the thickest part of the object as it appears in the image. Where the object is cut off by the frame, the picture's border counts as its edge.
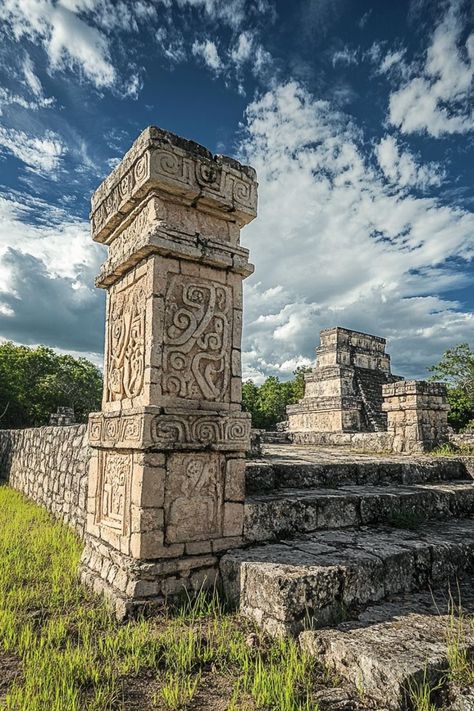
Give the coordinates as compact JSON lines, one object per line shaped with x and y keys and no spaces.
{"x":417,"y":415}
{"x":167,"y":478}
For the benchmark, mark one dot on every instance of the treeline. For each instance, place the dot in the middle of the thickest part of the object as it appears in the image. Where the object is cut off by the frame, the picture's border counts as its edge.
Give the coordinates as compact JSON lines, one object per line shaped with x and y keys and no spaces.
{"x":456,"y":370}
{"x":34,"y":382}
{"x":267,"y":402}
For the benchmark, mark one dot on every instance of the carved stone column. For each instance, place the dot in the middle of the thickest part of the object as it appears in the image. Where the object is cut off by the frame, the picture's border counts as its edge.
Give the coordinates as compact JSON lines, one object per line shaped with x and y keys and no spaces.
{"x":167,"y":479}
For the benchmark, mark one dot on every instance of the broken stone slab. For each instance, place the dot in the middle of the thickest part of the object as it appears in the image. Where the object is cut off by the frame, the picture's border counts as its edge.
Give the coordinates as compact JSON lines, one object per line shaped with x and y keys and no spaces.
{"x":393,"y":647}
{"x":286,"y":513}
{"x":321,"y":577}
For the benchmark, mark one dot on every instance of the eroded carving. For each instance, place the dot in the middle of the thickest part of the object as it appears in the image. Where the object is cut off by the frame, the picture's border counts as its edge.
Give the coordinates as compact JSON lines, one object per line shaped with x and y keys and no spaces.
{"x":197,"y":339}
{"x":126,"y":347}
{"x":114,"y":484}
{"x":170,"y":430}
{"x":194,"y":497}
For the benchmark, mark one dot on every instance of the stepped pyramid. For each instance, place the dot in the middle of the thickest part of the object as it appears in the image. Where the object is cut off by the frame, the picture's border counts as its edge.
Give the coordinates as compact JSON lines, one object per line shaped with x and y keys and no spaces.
{"x":344,"y":391}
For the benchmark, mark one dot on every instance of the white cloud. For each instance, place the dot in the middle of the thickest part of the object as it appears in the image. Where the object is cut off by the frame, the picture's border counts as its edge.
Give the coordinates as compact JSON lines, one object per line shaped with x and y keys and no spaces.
{"x":31,"y":78}
{"x":209,"y":53}
{"x":345,"y":56}
{"x":40,"y":154}
{"x":334,"y":244}
{"x":47,"y":267}
{"x":232,"y":12}
{"x":68,"y":40}
{"x":438,"y":99}
{"x":242,"y":50}
{"x":400,"y":167}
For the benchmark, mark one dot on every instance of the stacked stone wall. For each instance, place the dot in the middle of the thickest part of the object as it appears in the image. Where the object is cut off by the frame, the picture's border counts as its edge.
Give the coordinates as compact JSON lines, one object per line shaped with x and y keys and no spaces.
{"x":50,"y":466}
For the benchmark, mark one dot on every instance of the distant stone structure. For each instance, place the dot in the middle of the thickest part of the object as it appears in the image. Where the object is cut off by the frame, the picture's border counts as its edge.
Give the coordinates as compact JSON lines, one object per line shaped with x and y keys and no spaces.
{"x":351,"y":391}
{"x":344,"y":391}
{"x":417,"y":415}
{"x":63,"y":417}
{"x":167,"y":475}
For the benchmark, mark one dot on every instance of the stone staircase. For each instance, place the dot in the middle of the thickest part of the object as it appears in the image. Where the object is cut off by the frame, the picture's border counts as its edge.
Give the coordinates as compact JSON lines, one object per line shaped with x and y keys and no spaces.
{"x":346,"y":552}
{"x":369,"y":387}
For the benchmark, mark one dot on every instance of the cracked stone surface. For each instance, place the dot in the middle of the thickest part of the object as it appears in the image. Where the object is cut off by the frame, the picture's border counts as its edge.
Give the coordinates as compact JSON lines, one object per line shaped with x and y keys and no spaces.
{"x":322,"y":576}
{"x":388,"y":649}
{"x":288,"y":512}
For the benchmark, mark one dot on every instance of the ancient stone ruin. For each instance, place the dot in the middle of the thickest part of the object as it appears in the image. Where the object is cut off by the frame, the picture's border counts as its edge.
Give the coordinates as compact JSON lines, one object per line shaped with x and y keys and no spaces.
{"x":167,"y":475}
{"x":358,"y":555}
{"x":352,"y":398}
{"x":63,"y":417}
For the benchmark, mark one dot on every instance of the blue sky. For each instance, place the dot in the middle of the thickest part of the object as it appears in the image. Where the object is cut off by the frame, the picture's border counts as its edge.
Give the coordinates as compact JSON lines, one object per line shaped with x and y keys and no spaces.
{"x":358,"y":116}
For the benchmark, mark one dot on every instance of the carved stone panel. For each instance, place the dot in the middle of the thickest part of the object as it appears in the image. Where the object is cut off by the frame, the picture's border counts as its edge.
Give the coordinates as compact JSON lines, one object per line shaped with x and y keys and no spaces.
{"x":126,"y":342}
{"x":114,"y":489}
{"x":194,"y":493}
{"x":201,"y":430}
{"x":197,"y":339}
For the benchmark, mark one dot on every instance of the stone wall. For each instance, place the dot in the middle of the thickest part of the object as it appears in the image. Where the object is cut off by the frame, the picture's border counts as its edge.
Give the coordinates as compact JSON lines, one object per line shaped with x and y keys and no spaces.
{"x":50,"y":466}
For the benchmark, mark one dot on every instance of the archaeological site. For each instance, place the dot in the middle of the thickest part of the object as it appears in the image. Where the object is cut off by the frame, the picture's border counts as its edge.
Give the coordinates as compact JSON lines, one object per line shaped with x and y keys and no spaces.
{"x":346,"y":530}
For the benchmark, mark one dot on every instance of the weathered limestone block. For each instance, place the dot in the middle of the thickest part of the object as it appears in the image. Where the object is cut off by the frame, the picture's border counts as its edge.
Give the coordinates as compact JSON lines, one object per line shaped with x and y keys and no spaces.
{"x":417,"y":415}
{"x":167,"y":479}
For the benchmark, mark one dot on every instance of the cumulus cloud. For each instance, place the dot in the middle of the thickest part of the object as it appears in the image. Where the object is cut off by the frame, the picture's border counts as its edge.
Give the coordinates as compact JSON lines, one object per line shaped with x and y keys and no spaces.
{"x":40,"y":154}
{"x":438,"y":99}
{"x":69,"y":41}
{"x":335,"y":244}
{"x":401,"y":168}
{"x":48,"y":294}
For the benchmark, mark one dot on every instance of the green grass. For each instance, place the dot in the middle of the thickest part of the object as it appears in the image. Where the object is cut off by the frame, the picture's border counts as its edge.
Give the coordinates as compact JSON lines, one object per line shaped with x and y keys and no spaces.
{"x":73,"y":656}
{"x":452,"y":450}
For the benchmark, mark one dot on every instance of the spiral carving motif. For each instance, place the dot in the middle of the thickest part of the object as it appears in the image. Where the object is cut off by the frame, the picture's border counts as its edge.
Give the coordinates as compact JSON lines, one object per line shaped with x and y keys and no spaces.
{"x":197,"y":340}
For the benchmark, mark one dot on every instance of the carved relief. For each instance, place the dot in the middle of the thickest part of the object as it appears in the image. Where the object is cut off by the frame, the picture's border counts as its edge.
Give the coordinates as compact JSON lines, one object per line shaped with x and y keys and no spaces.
{"x":179,"y":167}
{"x":114,"y":429}
{"x":170,"y":430}
{"x":126,"y":329}
{"x":114,"y":484}
{"x":193,"y":503}
{"x":197,"y":338}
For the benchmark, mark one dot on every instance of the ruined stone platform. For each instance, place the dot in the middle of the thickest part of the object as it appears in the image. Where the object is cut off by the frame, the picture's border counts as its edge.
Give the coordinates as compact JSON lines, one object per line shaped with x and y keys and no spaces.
{"x":357,"y":553}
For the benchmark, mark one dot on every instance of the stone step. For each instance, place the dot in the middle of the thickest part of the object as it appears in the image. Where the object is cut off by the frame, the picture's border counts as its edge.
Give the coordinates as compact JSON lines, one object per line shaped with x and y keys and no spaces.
{"x":290,"y":512}
{"x":396,"y":647}
{"x":293,"y":472}
{"x":319,"y":578}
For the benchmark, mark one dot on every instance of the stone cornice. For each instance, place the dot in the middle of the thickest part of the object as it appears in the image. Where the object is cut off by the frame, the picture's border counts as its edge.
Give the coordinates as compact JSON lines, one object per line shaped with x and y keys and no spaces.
{"x":159,"y":160}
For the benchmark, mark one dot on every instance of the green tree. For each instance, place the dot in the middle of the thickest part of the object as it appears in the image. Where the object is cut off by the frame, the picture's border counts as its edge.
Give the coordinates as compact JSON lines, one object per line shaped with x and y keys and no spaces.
{"x":267,"y":402}
{"x":34,"y":382}
{"x":456,"y":370}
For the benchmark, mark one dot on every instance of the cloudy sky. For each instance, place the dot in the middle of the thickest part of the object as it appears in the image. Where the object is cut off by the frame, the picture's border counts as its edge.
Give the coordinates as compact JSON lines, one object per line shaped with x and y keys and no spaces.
{"x":357,"y":114}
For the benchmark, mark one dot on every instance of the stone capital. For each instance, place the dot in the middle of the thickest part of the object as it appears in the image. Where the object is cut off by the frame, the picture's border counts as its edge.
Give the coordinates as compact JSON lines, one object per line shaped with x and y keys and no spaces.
{"x":179,"y":170}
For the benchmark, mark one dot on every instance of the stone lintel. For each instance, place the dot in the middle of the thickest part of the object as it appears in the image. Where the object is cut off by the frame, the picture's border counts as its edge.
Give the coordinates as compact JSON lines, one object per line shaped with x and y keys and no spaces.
{"x":184,"y":170}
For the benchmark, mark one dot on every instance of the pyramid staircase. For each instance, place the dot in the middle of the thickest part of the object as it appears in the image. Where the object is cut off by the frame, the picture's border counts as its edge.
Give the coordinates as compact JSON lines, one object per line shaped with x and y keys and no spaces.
{"x":356,"y":556}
